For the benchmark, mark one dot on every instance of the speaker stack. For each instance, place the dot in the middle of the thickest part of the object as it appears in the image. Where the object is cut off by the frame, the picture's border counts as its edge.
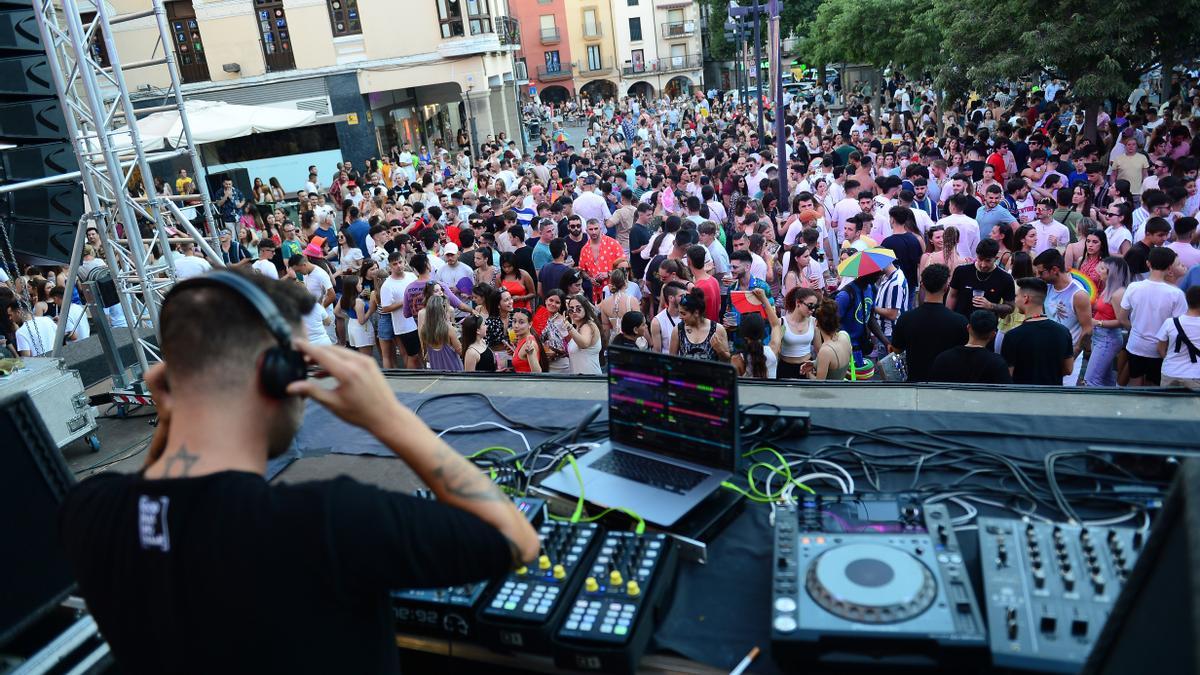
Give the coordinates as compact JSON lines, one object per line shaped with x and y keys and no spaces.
{"x":40,"y":221}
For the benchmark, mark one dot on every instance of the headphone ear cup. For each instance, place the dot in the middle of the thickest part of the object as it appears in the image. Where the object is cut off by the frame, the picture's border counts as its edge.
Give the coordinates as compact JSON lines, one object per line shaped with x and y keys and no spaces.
{"x":281,"y":367}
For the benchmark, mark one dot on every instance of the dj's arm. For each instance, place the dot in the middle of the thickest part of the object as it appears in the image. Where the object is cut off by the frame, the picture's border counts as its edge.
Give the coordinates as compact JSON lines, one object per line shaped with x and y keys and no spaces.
{"x":362,"y":397}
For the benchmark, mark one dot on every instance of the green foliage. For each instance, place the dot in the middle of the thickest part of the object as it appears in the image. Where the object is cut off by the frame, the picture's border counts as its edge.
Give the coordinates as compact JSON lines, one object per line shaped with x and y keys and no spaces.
{"x":719,"y":48}
{"x":1100,"y":46}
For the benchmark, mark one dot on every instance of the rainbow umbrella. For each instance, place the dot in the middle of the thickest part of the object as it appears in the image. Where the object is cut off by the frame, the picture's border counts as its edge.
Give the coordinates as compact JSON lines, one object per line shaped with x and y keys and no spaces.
{"x":1085,"y":281}
{"x":866,"y":262}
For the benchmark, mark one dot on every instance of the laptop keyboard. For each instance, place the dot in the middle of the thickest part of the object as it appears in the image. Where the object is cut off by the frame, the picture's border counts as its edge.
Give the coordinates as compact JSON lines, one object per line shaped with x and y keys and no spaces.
{"x":649,"y":472}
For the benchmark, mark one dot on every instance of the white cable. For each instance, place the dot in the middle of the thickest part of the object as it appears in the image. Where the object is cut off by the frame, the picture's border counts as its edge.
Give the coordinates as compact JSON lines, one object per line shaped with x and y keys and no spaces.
{"x":848,"y":488}
{"x":1133,"y":512}
{"x":829,"y":476}
{"x":970,"y":509}
{"x":489,"y":424}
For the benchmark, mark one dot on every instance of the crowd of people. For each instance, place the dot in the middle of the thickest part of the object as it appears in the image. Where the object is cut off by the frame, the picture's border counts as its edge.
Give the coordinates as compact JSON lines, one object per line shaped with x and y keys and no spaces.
{"x":1008,"y":242}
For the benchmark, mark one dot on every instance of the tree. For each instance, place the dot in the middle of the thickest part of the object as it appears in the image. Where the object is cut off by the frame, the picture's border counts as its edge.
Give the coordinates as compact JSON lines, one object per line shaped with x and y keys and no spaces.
{"x":719,"y":49}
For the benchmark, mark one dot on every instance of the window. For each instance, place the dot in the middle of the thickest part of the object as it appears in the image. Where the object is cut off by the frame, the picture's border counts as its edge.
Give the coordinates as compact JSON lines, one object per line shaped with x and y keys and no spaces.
{"x":343,"y":17}
{"x":275,"y":35}
{"x":635,"y":29}
{"x":553,"y":65}
{"x":593,"y":57}
{"x":637,"y":60}
{"x":549,"y":31}
{"x":450,"y":18}
{"x":479,"y":16}
{"x":678,"y":56}
{"x":633,"y":3}
{"x":522,"y":68}
{"x":189,"y":48}
{"x":591,"y":28}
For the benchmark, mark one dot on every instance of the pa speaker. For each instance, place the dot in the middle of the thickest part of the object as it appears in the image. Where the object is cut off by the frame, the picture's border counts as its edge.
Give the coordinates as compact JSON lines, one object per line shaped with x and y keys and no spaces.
{"x":26,"y":76}
{"x":26,"y":162}
{"x":33,"y":121}
{"x":50,"y":202}
{"x":42,"y":242}
{"x":19,"y":31}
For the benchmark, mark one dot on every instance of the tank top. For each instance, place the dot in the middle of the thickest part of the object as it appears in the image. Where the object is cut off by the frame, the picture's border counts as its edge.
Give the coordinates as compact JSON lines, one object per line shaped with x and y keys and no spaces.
{"x":698,"y":350}
{"x":666,"y":326}
{"x":796,"y":345}
{"x":1103,"y":311}
{"x":486,"y":362}
{"x":1060,"y":308}
{"x":521,"y":365}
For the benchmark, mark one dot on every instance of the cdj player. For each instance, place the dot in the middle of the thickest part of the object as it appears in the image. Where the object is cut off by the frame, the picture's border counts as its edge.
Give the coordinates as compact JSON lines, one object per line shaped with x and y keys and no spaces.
{"x":872,"y":581}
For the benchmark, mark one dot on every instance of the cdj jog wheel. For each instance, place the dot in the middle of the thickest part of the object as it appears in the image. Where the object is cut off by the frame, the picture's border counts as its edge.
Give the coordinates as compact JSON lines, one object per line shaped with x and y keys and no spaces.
{"x":870,"y":583}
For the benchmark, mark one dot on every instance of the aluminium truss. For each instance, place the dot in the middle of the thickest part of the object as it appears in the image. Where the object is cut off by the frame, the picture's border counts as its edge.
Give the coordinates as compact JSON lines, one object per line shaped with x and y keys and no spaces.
{"x":113,"y":167}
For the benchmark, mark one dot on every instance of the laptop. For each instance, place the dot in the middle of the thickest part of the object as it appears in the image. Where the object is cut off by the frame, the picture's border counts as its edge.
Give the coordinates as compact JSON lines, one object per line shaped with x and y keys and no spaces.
{"x":673,"y":435}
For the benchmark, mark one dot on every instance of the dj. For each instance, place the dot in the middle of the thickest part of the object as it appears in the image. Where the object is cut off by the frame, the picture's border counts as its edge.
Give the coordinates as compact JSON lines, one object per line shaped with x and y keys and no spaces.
{"x":198,"y":565}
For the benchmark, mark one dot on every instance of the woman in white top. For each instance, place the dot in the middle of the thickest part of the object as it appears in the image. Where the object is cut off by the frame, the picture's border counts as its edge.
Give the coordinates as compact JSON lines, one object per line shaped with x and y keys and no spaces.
{"x":664,"y":240}
{"x":347,"y":254}
{"x":801,"y":272}
{"x":759,"y":360}
{"x":583,"y":349}
{"x":796,"y":332}
{"x":616,"y":304}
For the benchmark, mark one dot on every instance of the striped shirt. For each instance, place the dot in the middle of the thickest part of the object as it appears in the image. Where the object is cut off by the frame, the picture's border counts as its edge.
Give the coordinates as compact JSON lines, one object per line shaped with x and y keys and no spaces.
{"x":893,"y":294}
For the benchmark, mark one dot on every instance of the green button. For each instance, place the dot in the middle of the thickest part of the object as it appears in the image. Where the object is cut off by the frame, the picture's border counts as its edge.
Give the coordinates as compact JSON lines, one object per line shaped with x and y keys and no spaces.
{"x":510,"y":605}
{"x":620,"y":630}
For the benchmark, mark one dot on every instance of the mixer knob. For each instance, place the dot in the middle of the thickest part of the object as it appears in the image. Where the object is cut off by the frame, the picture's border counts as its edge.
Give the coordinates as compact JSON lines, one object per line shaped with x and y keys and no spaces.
{"x":943,"y":534}
{"x":1039,"y":578}
{"x":522,"y":571}
{"x":1064,"y":566}
{"x":615,"y":579}
{"x":544,"y":562}
{"x":1068,"y":581}
{"x":591,"y":585}
{"x":560,"y":572}
{"x":1098,"y":584}
{"x":632,"y":588}
{"x":1137,"y":539}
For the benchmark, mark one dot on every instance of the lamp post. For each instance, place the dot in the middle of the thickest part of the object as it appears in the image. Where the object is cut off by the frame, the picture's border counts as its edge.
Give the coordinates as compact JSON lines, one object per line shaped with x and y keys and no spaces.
{"x":758,"y":79}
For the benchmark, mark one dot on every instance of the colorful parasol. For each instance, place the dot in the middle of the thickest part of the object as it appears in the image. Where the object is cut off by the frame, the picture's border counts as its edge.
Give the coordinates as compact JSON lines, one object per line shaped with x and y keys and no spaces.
{"x":1085,"y":281}
{"x":866,"y":262}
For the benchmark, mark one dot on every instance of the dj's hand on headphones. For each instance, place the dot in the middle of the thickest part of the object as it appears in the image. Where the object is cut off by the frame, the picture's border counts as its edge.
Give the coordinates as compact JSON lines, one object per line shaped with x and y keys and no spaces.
{"x":362,"y":397}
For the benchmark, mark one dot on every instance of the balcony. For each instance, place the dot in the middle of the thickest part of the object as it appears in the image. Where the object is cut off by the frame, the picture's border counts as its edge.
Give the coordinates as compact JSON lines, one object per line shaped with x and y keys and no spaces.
{"x":633,"y":70}
{"x":593,"y":32}
{"x":504,"y":37}
{"x":678,"y":29}
{"x":509,"y":30}
{"x":679,"y":4}
{"x":564,"y":72}
{"x":673,"y":64}
{"x":586,"y":70}
{"x":551,"y":36}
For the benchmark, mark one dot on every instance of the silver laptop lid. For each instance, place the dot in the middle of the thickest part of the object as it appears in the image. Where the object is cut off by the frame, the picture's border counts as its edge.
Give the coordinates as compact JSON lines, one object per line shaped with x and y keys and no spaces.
{"x":673,"y":406}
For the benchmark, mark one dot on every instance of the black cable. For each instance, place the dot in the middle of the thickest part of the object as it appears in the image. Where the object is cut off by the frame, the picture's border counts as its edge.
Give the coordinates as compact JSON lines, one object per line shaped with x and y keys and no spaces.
{"x":514,"y":423}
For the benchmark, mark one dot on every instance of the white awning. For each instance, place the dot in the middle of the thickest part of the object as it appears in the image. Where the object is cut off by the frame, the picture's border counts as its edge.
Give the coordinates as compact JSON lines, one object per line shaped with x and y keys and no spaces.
{"x":212,"y":121}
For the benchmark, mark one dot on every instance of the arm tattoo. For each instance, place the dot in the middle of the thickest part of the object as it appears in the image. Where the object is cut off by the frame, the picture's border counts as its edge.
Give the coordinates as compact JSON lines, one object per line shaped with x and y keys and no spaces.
{"x":184,"y":458}
{"x":461,"y":480}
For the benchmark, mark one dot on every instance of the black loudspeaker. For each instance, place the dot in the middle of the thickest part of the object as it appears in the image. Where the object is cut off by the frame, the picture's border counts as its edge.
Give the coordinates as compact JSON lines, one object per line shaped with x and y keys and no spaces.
{"x":32,"y":121}
{"x":1155,"y":623}
{"x":34,"y":480}
{"x":19,"y":30}
{"x":40,"y":221}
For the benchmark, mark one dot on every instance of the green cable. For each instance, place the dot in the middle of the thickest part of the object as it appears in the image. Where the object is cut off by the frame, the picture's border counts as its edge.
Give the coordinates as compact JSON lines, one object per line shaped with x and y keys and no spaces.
{"x":495,"y":448}
{"x":640,"y":528}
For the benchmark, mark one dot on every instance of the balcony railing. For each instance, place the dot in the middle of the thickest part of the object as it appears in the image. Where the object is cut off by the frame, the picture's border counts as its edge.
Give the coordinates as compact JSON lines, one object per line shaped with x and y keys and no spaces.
{"x":563,"y":73}
{"x":675,"y":63}
{"x":593,"y":32}
{"x":668,"y":64}
{"x":508,"y":30}
{"x":550,"y":36}
{"x":586,"y":69}
{"x":678,"y":29}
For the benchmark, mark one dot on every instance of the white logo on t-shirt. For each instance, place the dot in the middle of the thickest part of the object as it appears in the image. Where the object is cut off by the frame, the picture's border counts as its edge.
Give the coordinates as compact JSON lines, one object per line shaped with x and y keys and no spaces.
{"x":152,"y":522}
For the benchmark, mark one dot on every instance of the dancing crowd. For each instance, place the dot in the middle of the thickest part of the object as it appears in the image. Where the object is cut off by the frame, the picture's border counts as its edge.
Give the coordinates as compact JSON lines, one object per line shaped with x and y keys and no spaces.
{"x":993,"y":239}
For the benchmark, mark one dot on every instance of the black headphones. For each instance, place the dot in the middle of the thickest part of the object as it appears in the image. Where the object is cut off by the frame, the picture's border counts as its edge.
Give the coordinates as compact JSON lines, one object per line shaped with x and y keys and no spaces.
{"x":281,"y":365}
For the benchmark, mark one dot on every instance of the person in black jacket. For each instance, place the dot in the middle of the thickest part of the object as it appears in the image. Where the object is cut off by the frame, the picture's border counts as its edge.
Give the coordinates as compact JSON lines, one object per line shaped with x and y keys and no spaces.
{"x":931,"y":328}
{"x":973,"y":362}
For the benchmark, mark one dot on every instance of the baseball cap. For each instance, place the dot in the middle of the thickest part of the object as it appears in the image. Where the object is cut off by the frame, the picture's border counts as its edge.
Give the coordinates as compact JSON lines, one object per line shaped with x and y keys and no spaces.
{"x":450,"y":249}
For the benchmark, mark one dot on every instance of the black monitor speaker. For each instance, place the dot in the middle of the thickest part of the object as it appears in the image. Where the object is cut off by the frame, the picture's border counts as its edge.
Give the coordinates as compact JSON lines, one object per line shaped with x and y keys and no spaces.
{"x":1155,"y":623}
{"x":19,"y":30}
{"x":34,"y":479}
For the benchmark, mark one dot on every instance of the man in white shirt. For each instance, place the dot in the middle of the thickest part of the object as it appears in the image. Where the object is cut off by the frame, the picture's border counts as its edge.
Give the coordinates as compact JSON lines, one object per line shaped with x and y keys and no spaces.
{"x":188,"y":264}
{"x":1179,"y":343}
{"x":35,"y":334}
{"x":588,"y":204}
{"x":1050,"y":232}
{"x":75,"y":315}
{"x":1147,"y":304}
{"x":708,"y":238}
{"x":316,"y":280}
{"x":453,"y":272}
{"x":845,"y":209}
{"x":968,"y":228}
{"x":264,"y":266}
{"x":392,"y":321}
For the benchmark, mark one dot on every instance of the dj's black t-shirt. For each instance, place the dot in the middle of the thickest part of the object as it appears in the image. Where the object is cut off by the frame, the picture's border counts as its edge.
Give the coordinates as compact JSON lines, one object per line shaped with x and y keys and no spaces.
{"x":225,"y":573}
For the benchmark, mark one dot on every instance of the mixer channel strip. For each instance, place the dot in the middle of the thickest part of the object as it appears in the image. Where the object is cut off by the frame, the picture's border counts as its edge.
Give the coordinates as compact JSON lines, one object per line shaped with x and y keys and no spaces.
{"x":530,"y":601}
{"x":1050,"y":587}
{"x":611,"y":618}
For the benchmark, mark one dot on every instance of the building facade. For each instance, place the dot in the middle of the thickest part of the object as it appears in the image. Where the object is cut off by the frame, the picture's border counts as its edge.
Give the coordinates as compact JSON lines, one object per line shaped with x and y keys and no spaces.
{"x":378,"y":74}
{"x":658,"y":46}
{"x":546,"y":50}
{"x":591,"y":31}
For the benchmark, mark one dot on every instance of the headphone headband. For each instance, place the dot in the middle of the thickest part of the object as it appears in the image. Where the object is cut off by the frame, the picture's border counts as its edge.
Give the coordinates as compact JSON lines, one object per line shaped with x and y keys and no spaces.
{"x":259,"y":300}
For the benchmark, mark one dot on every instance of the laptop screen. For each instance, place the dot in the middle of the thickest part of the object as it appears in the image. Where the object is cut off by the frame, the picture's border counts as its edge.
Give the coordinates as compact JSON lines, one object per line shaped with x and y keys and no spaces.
{"x":678,"y":407}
